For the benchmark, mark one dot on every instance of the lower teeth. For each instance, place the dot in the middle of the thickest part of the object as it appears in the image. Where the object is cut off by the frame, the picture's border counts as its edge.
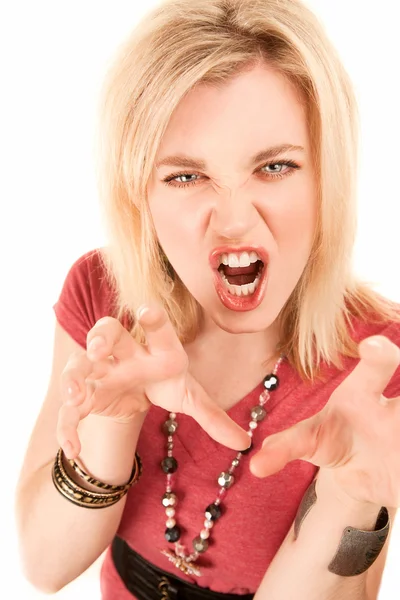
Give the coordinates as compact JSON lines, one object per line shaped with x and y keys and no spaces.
{"x":241,"y":290}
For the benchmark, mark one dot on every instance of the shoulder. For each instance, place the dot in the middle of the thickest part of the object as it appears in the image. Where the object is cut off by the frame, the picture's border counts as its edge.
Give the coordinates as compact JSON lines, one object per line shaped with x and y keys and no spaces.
{"x":389,"y":328}
{"x":375,"y":324}
{"x":86,"y":296}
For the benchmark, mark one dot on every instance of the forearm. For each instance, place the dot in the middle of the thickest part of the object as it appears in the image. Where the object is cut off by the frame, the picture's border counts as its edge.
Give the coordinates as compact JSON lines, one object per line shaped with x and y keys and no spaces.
{"x":300,"y":568}
{"x":59,"y":540}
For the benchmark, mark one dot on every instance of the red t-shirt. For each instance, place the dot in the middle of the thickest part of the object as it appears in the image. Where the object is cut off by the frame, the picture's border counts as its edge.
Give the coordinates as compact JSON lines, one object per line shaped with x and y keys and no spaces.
{"x":259,"y":512}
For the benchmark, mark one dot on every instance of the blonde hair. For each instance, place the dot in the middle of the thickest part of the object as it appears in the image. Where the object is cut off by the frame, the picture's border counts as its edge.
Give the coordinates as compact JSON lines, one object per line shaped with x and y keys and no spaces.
{"x":177,"y":46}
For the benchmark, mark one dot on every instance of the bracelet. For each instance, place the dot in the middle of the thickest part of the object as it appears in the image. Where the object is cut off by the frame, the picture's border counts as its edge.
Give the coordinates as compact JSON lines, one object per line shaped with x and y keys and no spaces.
{"x":135,"y":475}
{"x":87,"y":498}
{"x":359,"y":549}
{"x":78,"y":495}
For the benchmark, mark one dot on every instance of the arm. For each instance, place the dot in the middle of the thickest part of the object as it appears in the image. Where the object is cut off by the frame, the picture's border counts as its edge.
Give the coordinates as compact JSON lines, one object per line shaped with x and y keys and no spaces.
{"x":58,"y":540}
{"x":300,"y":568}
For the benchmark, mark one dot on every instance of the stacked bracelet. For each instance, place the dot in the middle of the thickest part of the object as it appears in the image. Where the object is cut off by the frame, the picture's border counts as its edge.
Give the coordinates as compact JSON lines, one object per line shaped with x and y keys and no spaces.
{"x":83,"y":497}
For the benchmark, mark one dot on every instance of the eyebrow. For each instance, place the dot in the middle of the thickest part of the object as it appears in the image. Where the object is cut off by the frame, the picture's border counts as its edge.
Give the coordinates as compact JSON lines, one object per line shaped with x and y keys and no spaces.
{"x":182,"y":160}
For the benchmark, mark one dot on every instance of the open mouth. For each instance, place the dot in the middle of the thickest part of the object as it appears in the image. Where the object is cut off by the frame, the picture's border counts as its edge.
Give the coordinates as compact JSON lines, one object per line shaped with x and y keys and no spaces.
{"x":241,"y":274}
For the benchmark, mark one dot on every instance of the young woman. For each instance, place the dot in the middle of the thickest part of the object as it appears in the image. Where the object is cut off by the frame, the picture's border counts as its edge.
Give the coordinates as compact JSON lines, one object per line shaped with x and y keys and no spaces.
{"x":223,"y":312}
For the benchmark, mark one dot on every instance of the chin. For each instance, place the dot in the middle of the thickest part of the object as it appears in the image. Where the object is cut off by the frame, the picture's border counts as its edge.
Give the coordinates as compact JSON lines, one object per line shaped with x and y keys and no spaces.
{"x":242,"y":322}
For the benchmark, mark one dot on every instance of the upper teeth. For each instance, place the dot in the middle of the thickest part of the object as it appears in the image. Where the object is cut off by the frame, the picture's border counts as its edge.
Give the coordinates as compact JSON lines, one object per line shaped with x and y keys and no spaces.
{"x":242,"y":259}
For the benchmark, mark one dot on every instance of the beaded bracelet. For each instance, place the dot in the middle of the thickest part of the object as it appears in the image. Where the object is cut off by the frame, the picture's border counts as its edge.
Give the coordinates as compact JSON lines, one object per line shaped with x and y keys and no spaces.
{"x":89,"y":499}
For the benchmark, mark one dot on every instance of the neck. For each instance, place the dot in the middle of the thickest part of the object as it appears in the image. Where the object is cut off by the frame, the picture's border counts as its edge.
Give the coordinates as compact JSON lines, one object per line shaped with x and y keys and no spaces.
{"x":259,"y":346}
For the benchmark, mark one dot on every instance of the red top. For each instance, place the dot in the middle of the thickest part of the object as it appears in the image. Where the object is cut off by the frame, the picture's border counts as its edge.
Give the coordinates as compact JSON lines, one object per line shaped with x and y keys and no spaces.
{"x":259,"y":512}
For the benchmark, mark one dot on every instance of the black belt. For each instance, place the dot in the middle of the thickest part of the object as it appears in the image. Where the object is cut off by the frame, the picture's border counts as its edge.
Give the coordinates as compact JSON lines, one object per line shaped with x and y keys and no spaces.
{"x":147,"y":582}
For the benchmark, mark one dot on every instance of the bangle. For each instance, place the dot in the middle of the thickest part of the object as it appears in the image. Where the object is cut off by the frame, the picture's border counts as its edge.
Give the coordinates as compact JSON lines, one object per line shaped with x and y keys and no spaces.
{"x":89,"y":499}
{"x":134,"y":478}
{"x":359,"y":549}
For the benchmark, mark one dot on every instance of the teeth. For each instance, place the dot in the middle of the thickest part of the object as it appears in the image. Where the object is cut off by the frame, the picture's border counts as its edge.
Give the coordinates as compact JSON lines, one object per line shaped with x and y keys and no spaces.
{"x":254,"y":257}
{"x":241,"y":290}
{"x":244,"y":259}
{"x":233,"y":260}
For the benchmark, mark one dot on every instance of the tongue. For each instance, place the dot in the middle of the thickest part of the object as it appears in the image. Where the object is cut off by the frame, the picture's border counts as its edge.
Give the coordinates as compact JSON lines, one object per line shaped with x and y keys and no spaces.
{"x":241,"y":275}
{"x":251,"y":269}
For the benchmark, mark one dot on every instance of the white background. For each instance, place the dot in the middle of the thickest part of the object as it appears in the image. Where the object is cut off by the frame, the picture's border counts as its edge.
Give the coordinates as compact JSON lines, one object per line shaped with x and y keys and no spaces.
{"x":54,"y":55}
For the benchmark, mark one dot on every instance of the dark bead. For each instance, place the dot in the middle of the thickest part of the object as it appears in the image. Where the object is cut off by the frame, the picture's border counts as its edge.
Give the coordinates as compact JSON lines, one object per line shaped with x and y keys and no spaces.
{"x":271,"y":382}
{"x":248,"y":449}
{"x":173,"y":534}
{"x":170,"y":426}
{"x":200,"y":545}
{"x":169,"y":464}
{"x":213,"y":512}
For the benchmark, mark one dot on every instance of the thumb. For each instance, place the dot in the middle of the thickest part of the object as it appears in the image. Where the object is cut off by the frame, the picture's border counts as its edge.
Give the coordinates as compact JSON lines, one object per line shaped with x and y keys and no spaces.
{"x":297,"y":442}
{"x":213,"y":419}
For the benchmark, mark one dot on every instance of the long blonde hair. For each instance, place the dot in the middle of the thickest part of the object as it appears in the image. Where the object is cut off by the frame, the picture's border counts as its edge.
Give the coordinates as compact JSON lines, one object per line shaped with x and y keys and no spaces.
{"x":181,"y":44}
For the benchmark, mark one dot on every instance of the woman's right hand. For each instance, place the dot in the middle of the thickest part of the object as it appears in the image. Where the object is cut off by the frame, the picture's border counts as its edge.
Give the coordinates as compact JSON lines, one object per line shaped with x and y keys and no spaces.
{"x":117,"y":378}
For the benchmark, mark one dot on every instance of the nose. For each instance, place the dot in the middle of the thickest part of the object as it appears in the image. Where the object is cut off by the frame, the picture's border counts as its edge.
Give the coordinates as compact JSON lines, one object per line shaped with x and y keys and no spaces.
{"x":233,"y":216}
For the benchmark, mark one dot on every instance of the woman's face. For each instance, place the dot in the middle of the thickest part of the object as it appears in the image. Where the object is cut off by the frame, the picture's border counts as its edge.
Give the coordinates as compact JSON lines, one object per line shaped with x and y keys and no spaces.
{"x":250,"y":204}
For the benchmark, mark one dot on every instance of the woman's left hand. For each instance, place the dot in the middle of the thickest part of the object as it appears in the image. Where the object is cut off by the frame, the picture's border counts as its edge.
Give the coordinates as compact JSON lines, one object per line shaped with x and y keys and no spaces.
{"x":356,"y":435}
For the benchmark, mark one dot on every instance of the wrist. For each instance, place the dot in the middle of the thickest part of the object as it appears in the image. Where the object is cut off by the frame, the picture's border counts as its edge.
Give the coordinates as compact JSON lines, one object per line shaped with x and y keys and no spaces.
{"x":108,"y":447}
{"x":105,"y":423}
{"x":331,"y":492}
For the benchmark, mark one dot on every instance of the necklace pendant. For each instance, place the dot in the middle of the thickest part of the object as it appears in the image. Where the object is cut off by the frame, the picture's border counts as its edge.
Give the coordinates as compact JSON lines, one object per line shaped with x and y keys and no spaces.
{"x":182,"y":562}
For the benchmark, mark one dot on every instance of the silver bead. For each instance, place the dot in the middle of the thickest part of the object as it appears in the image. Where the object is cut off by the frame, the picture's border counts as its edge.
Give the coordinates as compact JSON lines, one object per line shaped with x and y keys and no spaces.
{"x":200,"y":545}
{"x":235,"y":462}
{"x":258,"y":413}
{"x":172,"y":416}
{"x":169,"y":499}
{"x":208,"y":524}
{"x":225,"y":480}
{"x":170,"y":512}
{"x":253,"y":425}
{"x":170,"y":426}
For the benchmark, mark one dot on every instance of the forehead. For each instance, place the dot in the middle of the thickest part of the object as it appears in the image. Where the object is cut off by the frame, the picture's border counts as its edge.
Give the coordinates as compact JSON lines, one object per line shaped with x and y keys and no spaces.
{"x":255,"y":109}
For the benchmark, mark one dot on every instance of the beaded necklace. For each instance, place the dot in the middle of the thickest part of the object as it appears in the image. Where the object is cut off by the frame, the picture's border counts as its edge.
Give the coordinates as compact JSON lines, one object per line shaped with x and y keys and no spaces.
{"x":178,"y":556}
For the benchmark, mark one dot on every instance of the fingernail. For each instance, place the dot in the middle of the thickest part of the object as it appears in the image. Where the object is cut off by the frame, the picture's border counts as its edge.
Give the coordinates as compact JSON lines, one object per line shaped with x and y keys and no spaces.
{"x":96,"y":343}
{"x":374,"y":343}
{"x":141,"y":310}
{"x":72,"y":389}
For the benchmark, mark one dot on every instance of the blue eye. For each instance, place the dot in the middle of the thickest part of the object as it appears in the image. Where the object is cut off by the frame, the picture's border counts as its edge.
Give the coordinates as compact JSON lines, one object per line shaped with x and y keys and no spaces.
{"x":276,"y":173}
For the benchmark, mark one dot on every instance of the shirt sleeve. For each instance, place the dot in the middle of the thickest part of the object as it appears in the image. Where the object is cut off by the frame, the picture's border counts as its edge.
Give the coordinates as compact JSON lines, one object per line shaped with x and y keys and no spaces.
{"x":85,"y":297}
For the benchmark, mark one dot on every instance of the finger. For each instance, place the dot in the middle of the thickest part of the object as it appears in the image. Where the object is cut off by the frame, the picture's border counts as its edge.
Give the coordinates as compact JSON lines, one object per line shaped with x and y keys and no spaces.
{"x":73,"y":386}
{"x":67,"y":430}
{"x":297,"y":442}
{"x":214,"y":420}
{"x":109,"y":337}
{"x":160,"y":333}
{"x":69,"y":417}
{"x":379,"y":359}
